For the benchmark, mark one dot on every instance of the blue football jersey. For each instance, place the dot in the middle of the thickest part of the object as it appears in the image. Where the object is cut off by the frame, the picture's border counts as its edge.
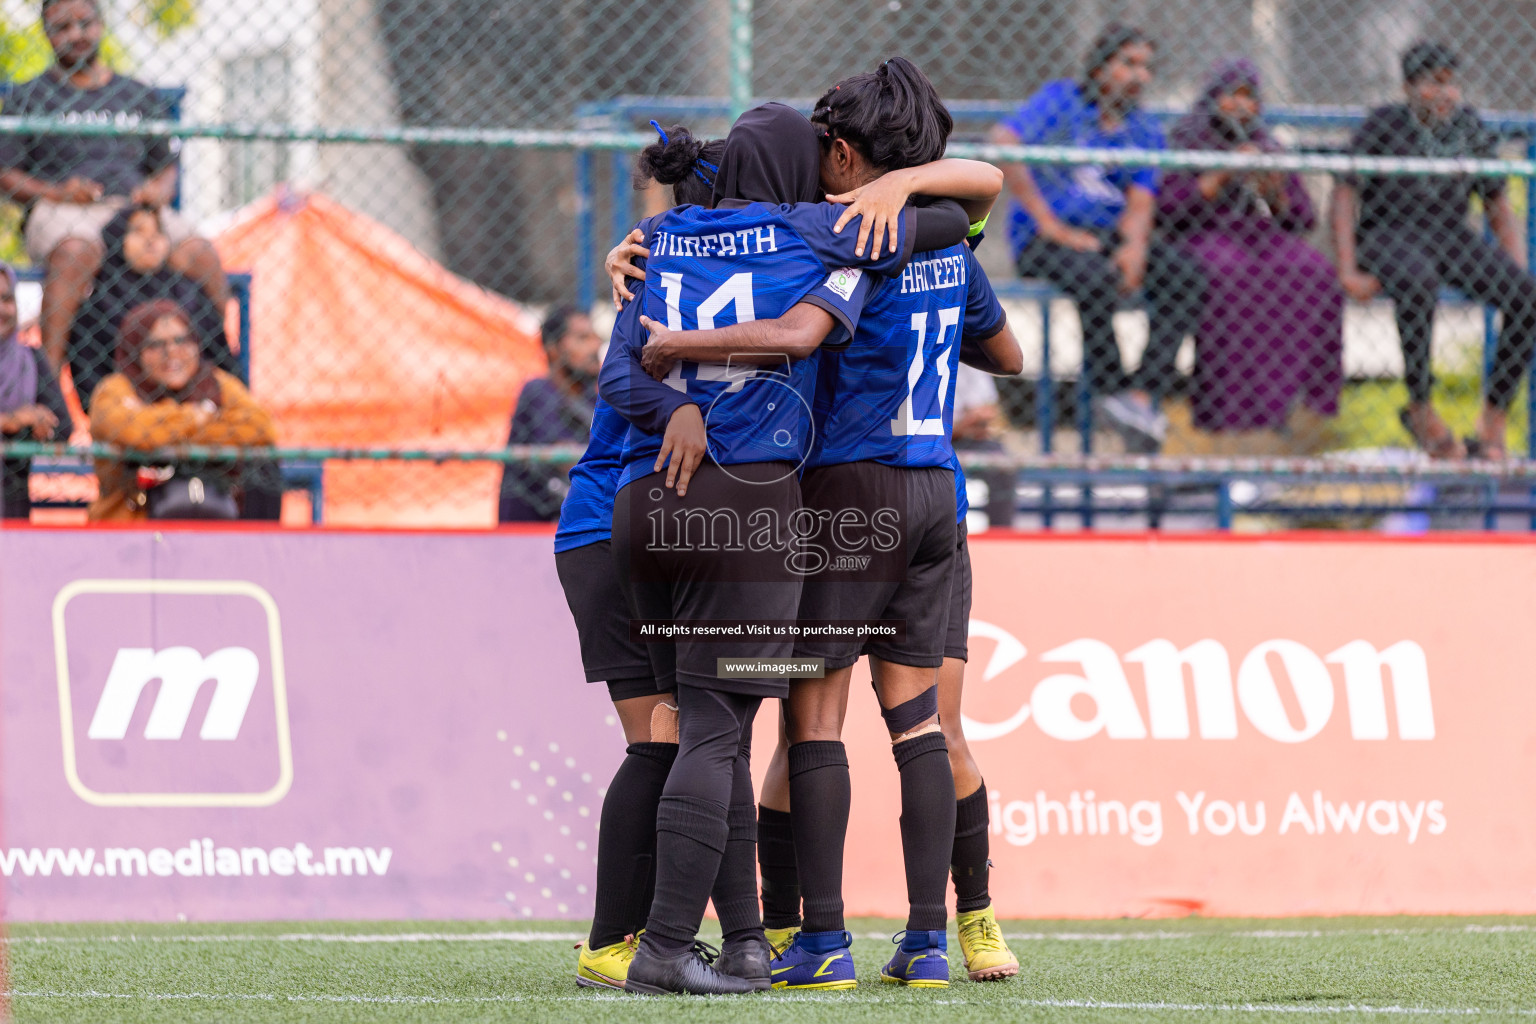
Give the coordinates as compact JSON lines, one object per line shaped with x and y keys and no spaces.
{"x":586,"y":515}
{"x":713,"y":268}
{"x":889,"y":396}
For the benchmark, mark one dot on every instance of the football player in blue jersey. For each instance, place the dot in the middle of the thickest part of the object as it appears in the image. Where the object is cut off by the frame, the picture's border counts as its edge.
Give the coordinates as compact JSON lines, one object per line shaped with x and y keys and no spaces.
{"x":626,"y":844}
{"x":883,"y":413}
{"x":729,"y":553}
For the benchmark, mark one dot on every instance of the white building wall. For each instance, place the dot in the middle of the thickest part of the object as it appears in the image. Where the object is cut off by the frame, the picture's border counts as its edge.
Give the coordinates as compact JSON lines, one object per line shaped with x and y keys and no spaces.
{"x":338,"y":76}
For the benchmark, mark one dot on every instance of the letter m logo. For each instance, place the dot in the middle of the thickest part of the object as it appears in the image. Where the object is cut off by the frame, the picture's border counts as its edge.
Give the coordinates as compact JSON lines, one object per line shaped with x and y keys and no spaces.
{"x":182,"y":672}
{"x":142,"y":662}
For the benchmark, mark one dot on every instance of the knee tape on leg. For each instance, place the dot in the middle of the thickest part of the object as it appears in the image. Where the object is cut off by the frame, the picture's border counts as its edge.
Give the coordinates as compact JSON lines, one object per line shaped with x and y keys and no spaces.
{"x":908,"y":715}
{"x":701,"y":820}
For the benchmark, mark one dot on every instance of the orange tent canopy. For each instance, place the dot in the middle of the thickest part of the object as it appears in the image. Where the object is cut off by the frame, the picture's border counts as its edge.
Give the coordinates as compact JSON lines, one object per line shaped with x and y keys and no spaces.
{"x":357,"y":339}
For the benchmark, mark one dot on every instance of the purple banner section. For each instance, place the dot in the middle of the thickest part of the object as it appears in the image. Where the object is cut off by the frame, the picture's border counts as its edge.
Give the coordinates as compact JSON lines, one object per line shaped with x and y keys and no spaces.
{"x":248,"y":725}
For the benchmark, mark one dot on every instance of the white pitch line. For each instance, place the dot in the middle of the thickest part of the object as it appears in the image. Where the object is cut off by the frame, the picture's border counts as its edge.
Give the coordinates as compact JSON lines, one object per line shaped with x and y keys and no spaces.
{"x":385,"y":937}
{"x":829,"y":998}
{"x":540,"y":936}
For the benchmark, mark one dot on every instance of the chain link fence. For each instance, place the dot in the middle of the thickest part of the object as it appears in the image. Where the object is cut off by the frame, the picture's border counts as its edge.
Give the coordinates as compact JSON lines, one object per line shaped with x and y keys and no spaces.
{"x":366,"y":209}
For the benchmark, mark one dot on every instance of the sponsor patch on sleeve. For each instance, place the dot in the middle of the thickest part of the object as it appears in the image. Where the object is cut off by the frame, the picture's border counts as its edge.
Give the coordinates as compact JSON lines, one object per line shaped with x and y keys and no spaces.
{"x":843,"y":281}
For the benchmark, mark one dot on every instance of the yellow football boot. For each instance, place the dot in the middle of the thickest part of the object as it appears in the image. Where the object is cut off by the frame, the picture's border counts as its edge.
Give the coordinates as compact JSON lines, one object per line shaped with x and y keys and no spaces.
{"x":779,"y":938}
{"x":987,"y":957}
{"x":607,"y":967}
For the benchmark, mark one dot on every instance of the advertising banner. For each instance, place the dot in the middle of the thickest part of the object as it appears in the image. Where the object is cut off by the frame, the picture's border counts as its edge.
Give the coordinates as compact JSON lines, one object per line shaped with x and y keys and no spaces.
{"x":242,"y":725}
{"x":230,"y":724}
{"x":1241,"y":727}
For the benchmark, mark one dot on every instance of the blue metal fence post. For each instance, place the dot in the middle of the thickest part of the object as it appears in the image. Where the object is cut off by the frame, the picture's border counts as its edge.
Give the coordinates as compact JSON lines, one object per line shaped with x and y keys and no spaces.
{"x":1224,"y":505}
{"x":1045,"y":388}
{"x":622,"y":216}
{"x":1085,"y":429}
{"x":1045,"y":406}
{"x":1530,"y":256}
{"x":585,"y":256}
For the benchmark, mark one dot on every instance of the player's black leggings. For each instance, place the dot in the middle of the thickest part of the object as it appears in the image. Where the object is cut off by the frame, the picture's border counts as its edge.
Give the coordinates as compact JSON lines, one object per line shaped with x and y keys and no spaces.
{"x":695,"y":823}
{"x":1412,"y":263}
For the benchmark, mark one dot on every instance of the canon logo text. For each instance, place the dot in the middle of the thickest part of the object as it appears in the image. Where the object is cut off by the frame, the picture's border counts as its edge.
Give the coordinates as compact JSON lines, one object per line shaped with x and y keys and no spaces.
{"x":1104,"y":676}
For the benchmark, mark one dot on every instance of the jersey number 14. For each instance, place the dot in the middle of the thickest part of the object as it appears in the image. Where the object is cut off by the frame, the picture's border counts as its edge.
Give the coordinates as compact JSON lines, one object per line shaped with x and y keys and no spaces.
{"x":737,"y":291}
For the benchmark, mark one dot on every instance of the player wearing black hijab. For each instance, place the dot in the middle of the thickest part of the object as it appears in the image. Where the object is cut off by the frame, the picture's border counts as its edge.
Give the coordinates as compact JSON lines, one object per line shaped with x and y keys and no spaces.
{"x":751,"y":255}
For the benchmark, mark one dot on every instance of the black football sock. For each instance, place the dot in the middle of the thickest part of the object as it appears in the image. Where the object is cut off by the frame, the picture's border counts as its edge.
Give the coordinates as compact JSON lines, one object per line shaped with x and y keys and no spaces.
{"x":692,"y":818}
{"x":819,"y":795}
{"x":626,"y":843}
{"x":968,"y":861}
{"x":776,"y":857}
{"x":690,"y":837}
{"x":927,"y":827}
{"x":735,"y":892}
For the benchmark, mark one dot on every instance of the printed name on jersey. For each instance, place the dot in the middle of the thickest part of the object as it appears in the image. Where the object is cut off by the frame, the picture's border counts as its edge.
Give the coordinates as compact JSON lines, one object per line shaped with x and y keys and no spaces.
{"x":931,"y":275}
{"x":747,"y":242}
{"x":843,"y":281}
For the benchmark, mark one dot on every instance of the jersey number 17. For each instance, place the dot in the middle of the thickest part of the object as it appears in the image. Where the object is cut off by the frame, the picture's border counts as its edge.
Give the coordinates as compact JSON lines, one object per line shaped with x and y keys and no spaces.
{"x":908,"y":423}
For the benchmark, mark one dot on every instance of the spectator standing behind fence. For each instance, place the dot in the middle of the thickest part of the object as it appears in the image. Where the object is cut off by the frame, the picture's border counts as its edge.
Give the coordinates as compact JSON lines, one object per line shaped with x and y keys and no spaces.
{"x":1088,"y":228}
{"x":1273,"y":328}
{"x":556,"y":409}
{"x":1413,"y":236}
{"x":73,"y":185}
{"x":135,"y":270}
{"x":163,"y":394}
{"x":31,"y":405}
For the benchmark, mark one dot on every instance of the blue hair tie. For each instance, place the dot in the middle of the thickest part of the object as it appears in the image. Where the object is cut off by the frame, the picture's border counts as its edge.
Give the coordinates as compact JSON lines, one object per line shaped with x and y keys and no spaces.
{"x":700,"y":166}
{"x":664,"y":140}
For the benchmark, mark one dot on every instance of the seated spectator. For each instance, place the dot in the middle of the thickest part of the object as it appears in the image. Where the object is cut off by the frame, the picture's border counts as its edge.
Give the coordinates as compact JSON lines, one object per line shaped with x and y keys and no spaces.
{"x":1413,"y":236}
{"x":134,"y":271}
{"x":72,"y":185}
{"x":164,"y":393}
{"x":1088,"y":229}
{"x":31,"y":405}
{"x":1273,"y":328}
{"x":552,"y":410}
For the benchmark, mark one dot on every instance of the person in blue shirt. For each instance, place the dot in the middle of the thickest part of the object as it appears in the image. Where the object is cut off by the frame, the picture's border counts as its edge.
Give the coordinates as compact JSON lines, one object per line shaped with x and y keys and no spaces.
{"x":883,"y":409}
{"x":721,"y":547}
{"x":626,"y":843}
{"x":1087,"y":229}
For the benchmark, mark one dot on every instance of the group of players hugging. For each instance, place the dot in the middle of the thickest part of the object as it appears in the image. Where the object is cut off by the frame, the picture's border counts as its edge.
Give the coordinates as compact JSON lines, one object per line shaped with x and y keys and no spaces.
{"x":838,"y":253}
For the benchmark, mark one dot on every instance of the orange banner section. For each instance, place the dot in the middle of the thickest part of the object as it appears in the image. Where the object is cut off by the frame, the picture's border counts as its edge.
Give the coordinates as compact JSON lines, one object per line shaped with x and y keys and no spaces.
{"x":358,"y":339}
{"x":1236,"y":727}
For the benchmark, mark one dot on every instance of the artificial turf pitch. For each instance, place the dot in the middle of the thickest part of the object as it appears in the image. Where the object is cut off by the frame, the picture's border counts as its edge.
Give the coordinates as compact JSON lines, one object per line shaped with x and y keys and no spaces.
{"x":1342,"y":969}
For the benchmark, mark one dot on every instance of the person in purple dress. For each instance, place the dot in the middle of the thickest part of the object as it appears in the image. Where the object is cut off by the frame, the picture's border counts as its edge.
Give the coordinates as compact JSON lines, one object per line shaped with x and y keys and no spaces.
{"x":1272,"y":331}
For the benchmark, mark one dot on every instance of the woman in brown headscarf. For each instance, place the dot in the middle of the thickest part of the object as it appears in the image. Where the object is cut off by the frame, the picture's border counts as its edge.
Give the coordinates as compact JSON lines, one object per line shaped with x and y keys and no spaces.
{"x":164,"y":393}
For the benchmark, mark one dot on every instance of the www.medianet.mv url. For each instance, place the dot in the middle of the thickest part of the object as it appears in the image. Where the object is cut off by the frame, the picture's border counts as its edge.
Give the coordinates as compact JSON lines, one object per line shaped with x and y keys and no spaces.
{"x":199,"y":858}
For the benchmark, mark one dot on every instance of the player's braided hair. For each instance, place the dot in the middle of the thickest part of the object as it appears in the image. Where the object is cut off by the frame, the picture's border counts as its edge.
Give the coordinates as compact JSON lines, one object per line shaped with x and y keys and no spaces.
{"x":893,"y":116}
{"x":685,"y":163}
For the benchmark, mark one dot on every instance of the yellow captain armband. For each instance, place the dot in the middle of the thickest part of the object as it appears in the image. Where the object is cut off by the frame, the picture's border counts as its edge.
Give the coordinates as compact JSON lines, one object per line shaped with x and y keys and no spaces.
{"x":978,"y":227}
